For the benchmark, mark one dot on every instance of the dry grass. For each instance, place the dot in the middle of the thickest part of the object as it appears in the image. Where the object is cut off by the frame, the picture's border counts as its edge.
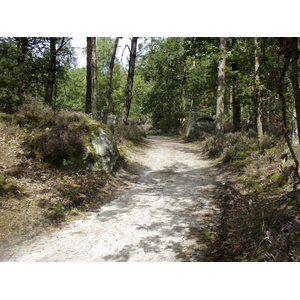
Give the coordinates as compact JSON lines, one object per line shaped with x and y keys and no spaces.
{"x":253,"y":202}
{"x":35,"y":196}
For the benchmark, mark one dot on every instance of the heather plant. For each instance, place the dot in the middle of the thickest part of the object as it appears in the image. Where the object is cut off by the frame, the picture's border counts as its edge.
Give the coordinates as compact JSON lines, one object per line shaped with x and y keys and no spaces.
{"x":63,"y":135}
{"x":60,"y":143}
{"x":33,"y":113}
{"x":285,"y":245}
{"x":237,"y":145}
{"x":73,"y":116}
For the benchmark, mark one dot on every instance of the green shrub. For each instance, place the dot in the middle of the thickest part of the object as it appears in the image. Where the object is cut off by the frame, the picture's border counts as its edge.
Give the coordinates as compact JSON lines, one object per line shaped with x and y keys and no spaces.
{"x":5,"y":117}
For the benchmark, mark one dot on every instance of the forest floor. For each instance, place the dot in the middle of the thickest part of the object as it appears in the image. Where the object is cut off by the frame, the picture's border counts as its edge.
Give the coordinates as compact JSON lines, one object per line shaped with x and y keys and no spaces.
{"x":163,"y":208}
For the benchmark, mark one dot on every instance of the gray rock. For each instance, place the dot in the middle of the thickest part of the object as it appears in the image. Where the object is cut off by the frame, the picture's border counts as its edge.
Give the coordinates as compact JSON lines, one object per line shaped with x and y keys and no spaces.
{"x":113,"y":120}
{"x":199,"y":122}
{"x":102,"y":153}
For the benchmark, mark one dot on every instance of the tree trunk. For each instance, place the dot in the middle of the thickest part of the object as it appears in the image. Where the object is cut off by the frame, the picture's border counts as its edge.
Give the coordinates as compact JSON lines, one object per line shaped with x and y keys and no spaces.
{"x":88,"y":102}
{"x":94,"y":80}
{"x":108,"y":90}
{"x":51,"y":74}
{"x":183,"y":100}
{"x":257,"y":96}
{"x":221,"y":91}
{"x":236,"y":108}
{"x":295,"y":138}
{"x":23,"y":44}
{"x":230,"y":104}
{"x":280,"y":85}
{"x":295,"y":82}
{"x":128,"y":92}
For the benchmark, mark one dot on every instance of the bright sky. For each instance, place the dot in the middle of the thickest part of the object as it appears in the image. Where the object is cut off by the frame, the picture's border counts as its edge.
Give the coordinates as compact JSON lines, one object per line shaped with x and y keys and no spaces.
{"x":81,"y":42}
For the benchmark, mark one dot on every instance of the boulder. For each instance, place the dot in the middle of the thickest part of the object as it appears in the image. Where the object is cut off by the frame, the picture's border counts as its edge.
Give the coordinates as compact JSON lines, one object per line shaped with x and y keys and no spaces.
{"x":100,"y":152}
{"x":113,"y":120}
{"x":199,"y":122}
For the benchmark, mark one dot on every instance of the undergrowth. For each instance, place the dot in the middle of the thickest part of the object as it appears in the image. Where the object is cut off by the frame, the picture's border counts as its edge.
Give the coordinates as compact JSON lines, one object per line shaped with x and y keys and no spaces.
{"x":127,"y":136}
{"x":262,"y":222}
{"x":51,"y":136}
{"x":36,"y":190}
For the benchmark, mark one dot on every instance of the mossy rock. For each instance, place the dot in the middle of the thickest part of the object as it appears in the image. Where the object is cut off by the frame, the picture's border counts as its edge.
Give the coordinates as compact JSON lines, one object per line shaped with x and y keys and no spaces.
{"x":76,"y":141}
{"x":100,"y":152}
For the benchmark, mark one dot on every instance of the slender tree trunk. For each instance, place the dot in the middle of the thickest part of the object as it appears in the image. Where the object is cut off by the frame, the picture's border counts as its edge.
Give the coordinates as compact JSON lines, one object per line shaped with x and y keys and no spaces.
{"x":23,"y":44}
{"x":88,"y":102}
{"x":230,"y":104}
{"x":94,"y":80}
{"x":183,"y":100}
{"x":110,"y":73}
{"x":128,"y":92}
{"x":236,"y":108}
{"x":295,"y":137}
{"x":51,"y":74}
{"x":295,"y":82}
{"x":257,"y":96}
{"x":55,"y":96}
{"x":221,"y":91}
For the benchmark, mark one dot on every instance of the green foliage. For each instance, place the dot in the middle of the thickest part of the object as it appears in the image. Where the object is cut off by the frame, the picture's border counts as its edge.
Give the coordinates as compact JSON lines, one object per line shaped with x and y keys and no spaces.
{"x":10,"y":73}
{"x":4,"y":117}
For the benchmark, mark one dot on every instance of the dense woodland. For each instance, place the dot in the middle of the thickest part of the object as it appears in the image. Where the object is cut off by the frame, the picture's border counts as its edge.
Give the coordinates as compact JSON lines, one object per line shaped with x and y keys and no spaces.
{"x":172,"y":76}
{"x":250,"y":85}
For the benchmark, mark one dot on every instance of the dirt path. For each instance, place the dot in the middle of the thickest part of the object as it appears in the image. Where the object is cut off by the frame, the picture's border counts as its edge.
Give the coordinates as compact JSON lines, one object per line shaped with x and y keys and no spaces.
{"x":157,"y":217}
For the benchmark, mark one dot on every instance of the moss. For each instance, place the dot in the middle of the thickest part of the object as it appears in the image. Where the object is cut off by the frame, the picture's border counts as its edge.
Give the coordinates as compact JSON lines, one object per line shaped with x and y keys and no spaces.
{"x":278,"y":178}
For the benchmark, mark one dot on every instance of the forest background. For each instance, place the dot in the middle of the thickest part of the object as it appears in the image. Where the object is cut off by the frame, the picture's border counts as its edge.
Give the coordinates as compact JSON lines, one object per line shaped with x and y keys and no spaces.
{"x":278,"y":22}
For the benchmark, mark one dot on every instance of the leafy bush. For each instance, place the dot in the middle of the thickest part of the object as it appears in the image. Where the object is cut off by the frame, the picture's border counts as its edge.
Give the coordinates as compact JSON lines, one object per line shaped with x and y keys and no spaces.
{"x":4,"y":117}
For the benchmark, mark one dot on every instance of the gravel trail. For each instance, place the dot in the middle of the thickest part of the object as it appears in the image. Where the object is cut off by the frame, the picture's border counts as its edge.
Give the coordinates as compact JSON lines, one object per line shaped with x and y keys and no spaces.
{"x":154,"y":216}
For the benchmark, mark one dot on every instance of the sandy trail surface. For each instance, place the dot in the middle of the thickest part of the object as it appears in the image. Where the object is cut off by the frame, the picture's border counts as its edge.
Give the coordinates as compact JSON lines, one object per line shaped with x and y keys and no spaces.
{"x":153,"y":217}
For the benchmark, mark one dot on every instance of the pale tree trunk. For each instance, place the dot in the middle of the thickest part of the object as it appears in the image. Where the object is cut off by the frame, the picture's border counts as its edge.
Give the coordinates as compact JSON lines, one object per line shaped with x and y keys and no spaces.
{"x":94,"y":80}
{"x":295,"y":137}
{"x":110,"y":72}
{"x":230,"y":104}
{"x":128,"y":92}
{"x":257,"y":96}
{"x":221,"y":91}
{"x":88,"y":102}
{"x":295,"y":82}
